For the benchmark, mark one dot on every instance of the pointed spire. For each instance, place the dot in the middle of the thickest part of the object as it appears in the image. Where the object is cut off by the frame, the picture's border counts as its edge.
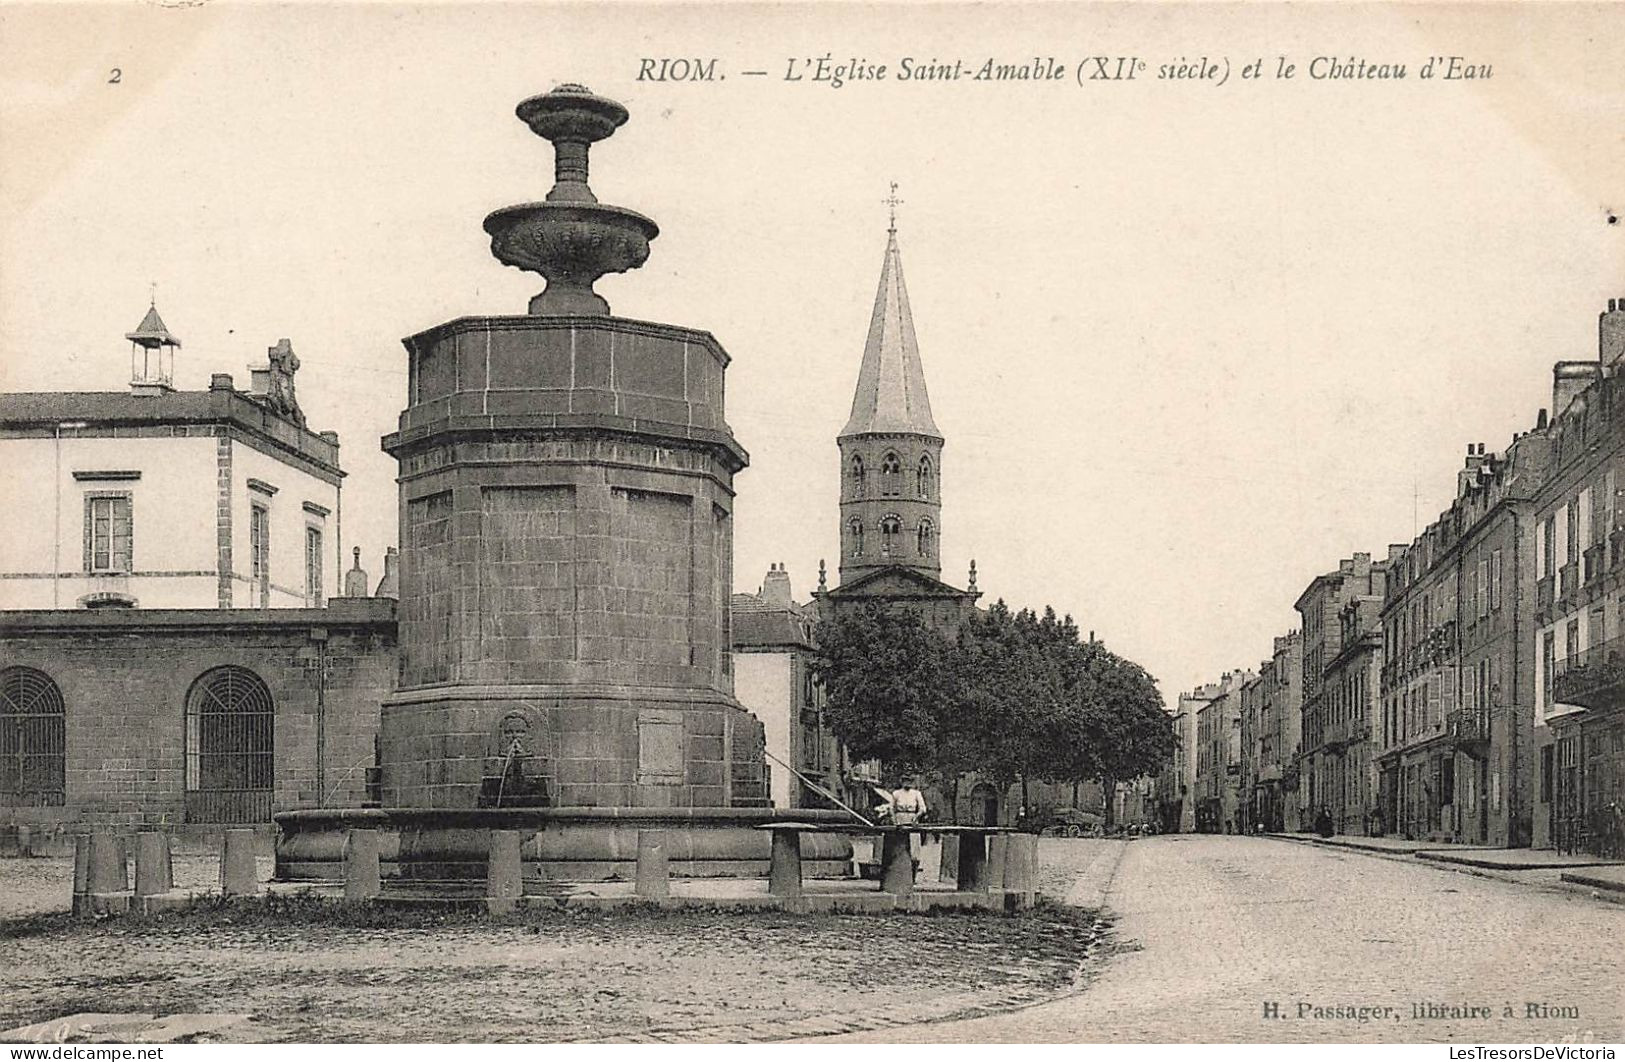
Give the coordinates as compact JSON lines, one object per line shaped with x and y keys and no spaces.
{"x":891,"y":394}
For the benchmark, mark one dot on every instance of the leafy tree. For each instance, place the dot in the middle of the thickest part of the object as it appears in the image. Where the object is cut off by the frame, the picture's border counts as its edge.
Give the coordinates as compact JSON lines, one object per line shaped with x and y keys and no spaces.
{"x":1018,"y":696}
{"x":1109,"y":725}
{"x":888,"y":683}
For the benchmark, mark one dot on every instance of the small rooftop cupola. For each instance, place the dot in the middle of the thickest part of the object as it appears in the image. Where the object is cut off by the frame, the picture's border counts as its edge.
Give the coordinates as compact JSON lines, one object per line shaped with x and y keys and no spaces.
{"x":152,"y":354}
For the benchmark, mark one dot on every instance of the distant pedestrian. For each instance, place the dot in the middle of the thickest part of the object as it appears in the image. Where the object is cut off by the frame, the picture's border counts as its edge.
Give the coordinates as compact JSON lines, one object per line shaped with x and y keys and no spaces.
{"x":907,"y":804}
{"x":907,"y":808}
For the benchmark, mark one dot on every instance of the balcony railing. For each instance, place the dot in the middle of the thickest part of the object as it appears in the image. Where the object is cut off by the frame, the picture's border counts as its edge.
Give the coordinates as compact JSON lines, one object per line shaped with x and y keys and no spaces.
{"x":1468,"y":726}
{"x":1568,"y":578}
{"x":1593,"y":677}
{"x":1543,"y":592}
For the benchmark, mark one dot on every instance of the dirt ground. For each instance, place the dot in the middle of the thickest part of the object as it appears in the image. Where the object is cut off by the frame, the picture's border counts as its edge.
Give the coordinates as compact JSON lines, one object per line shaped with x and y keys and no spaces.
{"x":303,"y":975}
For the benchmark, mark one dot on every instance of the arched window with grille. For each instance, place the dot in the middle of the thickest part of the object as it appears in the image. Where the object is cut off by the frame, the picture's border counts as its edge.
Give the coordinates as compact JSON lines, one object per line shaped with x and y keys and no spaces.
{"x":891,"y":476}
{"x":928,"y":537}
{"x":230,"y":761}
{"x":32,"y":740}
{"x":855,"y":537}
{"x":855,"y":476}
{"x":891,"y":529}
{"x":927,"y":477}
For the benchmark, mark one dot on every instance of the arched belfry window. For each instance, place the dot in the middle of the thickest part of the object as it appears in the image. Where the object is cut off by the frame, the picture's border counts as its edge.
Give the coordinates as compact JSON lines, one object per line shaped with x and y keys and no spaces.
{"x":928,"y":538}
{"x":854,"y":535}
{"x":32,"y":740}
{"x":891,"y":530}
{"x":927,"y":477}
{"x":230,"y":758}
{"x":891,"y":476}
{"x":857,"y":476}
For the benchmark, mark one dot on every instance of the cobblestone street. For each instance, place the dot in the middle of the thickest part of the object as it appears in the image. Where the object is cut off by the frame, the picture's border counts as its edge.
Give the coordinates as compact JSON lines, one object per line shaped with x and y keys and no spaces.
{"x":1212,"y":929}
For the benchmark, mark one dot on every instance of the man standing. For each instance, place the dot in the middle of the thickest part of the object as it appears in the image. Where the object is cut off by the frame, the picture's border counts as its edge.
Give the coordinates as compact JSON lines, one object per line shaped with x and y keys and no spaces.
{"x":907,"y":804}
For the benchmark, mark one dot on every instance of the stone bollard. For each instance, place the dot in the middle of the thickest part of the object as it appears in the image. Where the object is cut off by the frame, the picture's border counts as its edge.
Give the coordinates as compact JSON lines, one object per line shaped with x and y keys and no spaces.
{"x":239,"y":874}
{"x":361,"y":874}
{"x":998,"y":847}
{"x":654,"y":869}
{"x":784,"y":864}
{"x":1019,"y":867}
{"x":504,"y":869}
{"x":81,"y":873}
{"x":948,"y":868}
{"x":107,"y":870}
{"x":972,"y":873}
{"x":896,"y":864}
{"x":154,"y":872}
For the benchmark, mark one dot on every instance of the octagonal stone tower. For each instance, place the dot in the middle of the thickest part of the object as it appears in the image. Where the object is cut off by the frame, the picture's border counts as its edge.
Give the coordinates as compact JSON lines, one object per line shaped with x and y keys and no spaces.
{"x":566,"y":494}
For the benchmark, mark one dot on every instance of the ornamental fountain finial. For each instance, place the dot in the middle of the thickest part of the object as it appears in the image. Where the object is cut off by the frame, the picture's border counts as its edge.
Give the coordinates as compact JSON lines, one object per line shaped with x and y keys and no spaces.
{"x":570,"y":238}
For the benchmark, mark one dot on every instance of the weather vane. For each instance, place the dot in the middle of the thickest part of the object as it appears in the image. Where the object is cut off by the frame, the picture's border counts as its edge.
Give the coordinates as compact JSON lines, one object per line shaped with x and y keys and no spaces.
{"x":152,"y":293}
{"x":892,"y":202}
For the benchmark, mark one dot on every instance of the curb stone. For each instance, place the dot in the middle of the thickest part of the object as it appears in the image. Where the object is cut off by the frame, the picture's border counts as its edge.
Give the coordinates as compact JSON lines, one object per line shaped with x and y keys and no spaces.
{"x":1410,"y":859}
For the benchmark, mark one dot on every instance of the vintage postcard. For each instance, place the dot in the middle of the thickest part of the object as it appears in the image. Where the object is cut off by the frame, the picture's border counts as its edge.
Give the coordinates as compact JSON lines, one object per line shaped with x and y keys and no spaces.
{"x":869,"y":522}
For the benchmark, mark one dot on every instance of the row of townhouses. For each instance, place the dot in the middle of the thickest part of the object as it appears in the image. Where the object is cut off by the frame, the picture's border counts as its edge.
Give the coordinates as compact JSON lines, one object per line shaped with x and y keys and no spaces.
{"x":1467,"y":687}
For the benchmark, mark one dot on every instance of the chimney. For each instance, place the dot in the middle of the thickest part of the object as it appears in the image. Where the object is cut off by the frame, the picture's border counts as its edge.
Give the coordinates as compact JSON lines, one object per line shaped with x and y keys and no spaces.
{"x":1468,"y":477}
{"x":390,"y":584}
{"x":1569,"y":378}
{"x":1611,"y":334}
{"x":355,"y":580}
{"x":220,"y":381}
{"x":259,"y":380}
{"x":776,"y":587}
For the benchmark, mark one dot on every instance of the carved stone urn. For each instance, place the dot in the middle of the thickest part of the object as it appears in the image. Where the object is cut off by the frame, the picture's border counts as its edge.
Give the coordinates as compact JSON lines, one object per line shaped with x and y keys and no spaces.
{"x":570,"y":238}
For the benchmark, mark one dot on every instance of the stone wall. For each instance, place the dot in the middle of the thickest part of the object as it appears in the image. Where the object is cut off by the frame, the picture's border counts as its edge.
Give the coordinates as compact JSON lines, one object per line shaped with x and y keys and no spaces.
{"x":125,"y":677}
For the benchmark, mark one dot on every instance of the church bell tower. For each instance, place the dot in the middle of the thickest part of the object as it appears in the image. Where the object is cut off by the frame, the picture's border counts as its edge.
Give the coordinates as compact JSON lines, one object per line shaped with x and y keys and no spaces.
{"x":891,"y":450}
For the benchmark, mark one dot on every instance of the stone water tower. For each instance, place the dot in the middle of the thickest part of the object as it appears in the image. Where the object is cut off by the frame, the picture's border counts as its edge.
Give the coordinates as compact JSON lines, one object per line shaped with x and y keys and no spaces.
{"x":566,"y":538}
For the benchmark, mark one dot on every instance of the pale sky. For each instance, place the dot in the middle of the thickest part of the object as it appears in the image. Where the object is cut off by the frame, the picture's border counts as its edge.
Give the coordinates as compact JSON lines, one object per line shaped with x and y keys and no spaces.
{"x":1189,"y":343}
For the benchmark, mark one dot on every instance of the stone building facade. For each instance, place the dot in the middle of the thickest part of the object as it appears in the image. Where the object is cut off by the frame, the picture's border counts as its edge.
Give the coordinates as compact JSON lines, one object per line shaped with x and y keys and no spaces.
{"x":1218,"y":755}
{"x":1270,"y":721}
{"x":1454,"y":733}
{"x":773,"y":678}
{"x":1339,"y":692}
{"x":1178,"y":785}
{"x":158,"y":498}
{"x":189,"y":717}
{"x":1579,"y":607}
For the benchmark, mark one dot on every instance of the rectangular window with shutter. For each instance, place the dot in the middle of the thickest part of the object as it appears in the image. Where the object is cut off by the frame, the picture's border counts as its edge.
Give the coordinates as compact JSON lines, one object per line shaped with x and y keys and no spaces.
{"x":313,"y":567}
{"x":1548,"y":662}
{"x":108,"y":533}
{"x":259,"y":554}
{"x":1495,"y":580}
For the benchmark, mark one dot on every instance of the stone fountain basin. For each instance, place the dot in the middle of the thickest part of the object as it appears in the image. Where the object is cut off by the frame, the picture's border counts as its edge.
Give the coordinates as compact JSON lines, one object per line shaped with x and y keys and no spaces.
{"x":561,"y":844}
{"x":584,"y":240}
